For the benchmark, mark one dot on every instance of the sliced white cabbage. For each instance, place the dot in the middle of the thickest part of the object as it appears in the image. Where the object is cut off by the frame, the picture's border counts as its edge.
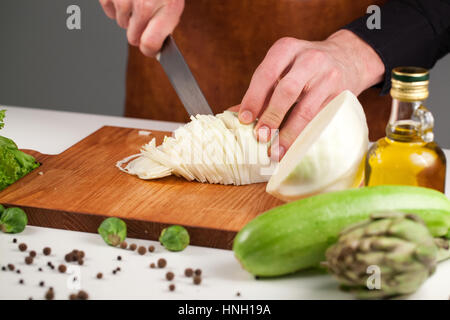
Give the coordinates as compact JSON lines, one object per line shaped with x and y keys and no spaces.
{"x":327,"y":155}
{"x":213,"y":149}
{"x":144,"y":167}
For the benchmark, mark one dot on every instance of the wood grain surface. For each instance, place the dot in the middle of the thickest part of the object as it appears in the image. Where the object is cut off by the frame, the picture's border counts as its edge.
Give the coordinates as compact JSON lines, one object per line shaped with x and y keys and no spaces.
{"x":80,"y":187}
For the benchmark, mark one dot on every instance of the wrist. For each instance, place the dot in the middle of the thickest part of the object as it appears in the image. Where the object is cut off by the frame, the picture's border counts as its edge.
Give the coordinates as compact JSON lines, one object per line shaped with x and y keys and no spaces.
{"x":367,"y":63}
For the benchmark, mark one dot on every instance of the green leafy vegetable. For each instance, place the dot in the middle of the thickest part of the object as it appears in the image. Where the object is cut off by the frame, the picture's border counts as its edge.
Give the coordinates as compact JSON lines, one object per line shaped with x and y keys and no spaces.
{"x":2,"y":116}
{"x":13,"y":220}
{"x":174,"y":238}
{"x":14,"y":164}
{"x":113,"y":231}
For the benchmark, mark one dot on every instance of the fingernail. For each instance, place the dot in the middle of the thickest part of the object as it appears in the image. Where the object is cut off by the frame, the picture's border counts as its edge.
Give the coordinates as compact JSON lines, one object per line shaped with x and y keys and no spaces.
{"x":263,"y":134}
{"x":276,"y":153}
{"x":246,"y":116}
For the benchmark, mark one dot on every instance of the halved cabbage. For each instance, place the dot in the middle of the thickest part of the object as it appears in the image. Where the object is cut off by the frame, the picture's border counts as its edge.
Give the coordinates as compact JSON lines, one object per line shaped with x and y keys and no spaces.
{"x":327,"y":155}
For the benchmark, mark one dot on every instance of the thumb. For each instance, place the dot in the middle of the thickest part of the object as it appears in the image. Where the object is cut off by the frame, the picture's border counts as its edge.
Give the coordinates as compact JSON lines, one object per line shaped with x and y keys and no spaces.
{"x":234,"y":108}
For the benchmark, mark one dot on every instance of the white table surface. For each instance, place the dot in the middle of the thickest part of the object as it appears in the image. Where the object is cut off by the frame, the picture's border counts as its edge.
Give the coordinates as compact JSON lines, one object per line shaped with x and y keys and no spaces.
{"x":52,"y":132}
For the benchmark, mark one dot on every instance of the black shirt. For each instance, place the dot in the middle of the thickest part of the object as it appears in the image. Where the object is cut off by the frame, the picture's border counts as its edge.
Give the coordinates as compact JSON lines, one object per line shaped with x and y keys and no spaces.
{"x":412,"y":33}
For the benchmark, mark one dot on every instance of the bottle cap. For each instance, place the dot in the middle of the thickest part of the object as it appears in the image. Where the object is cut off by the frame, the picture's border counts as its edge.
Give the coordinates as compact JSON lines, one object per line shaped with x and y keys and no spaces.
{"x":410,"y":84}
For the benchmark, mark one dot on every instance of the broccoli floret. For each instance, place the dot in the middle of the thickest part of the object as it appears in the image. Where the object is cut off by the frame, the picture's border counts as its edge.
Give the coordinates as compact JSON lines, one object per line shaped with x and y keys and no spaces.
{"x":14,"y":164}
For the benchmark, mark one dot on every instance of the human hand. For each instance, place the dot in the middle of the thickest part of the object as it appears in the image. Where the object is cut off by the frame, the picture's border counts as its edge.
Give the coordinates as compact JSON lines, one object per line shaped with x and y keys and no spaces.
{"x":148,"y":22}
{"x":302,"y":77}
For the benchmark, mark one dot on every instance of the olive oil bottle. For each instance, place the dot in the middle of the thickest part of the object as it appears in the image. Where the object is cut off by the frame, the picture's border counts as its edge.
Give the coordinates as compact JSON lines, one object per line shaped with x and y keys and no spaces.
{"x":407,"y":155}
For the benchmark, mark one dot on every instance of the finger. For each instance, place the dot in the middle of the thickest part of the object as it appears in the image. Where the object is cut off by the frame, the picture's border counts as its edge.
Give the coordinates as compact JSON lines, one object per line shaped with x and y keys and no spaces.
{"x":234,"y":108}
{"x":108,"y":7}
{"x":141,"y":15}
{"x":123,"y":12}
{"x":160,"y":26}
{"x":307,"y":108}
{"x":286,"y":93}
{"x":278,"y":59}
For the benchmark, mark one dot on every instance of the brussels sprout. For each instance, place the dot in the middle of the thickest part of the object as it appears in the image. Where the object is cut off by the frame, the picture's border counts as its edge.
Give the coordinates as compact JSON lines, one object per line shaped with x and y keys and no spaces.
{"x":12,"y":220}
{"x":174,"y":238}
{"x":113,"y":231}
{"x":2,"y":209}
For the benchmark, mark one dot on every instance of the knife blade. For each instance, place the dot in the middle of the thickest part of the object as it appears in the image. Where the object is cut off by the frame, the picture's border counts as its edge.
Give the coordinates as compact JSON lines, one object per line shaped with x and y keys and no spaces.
{"x":182,"y":79}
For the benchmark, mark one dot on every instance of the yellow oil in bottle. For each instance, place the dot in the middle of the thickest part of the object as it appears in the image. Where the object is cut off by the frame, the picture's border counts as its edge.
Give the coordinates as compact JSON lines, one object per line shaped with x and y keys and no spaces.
{"x":407,"y":155}
{"x":405,"y":161}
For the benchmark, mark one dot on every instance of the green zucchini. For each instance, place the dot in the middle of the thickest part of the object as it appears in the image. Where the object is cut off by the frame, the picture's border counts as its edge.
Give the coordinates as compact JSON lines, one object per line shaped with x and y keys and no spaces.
{"x":296,"y":235}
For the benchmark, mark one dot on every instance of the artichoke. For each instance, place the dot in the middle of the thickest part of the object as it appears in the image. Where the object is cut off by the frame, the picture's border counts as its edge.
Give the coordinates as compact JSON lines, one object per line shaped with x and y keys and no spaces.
{"x":390,"y":254}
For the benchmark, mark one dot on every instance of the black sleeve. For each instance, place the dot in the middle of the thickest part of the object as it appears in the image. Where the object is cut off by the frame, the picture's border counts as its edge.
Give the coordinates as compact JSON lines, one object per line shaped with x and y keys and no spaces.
{"x":413,"y":33}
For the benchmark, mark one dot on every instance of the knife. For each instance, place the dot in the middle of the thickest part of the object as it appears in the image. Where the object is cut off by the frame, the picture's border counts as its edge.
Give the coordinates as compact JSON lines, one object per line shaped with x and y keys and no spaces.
{"x":182,"y":79}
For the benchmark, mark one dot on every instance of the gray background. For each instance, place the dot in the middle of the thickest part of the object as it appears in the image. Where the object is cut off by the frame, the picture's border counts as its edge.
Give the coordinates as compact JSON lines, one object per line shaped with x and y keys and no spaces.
{"x":44,"y":65}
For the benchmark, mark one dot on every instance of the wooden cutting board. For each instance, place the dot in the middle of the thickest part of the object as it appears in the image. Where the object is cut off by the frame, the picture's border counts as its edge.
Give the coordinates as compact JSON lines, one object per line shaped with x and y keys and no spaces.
{"x":80,"y":187}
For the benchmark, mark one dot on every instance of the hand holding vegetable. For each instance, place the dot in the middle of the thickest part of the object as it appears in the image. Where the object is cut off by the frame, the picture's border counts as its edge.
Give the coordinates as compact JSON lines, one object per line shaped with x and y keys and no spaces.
{"x":302,"y":77}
